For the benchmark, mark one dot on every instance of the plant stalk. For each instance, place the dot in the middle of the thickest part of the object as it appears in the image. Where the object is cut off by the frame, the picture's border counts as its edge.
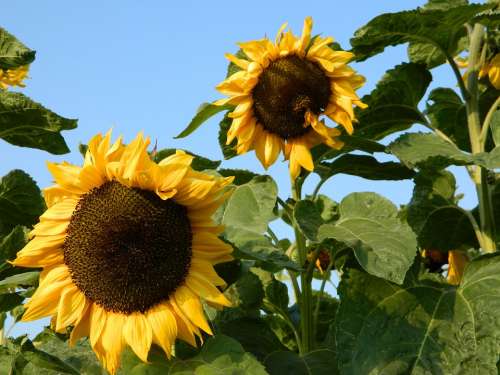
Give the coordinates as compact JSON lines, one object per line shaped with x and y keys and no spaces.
{"x":477,"y":146}
{"x":305,"y":304}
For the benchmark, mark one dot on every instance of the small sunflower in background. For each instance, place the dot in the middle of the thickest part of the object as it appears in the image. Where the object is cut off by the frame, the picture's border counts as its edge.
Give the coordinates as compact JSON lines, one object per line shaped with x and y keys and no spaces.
{"x":280,"y":92}
{"x":492,"y":70}
{"x":13,"y":77}
{"x":127,"y":248}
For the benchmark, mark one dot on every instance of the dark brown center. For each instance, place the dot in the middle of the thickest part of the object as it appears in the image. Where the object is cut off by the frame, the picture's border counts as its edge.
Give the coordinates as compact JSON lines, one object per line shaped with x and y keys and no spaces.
{"x":127,"y":249}
{"x":287,"y":89}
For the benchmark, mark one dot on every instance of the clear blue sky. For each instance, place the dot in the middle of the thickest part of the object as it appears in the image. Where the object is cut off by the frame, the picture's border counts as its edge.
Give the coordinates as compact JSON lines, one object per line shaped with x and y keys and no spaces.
{"x":147,"y":65}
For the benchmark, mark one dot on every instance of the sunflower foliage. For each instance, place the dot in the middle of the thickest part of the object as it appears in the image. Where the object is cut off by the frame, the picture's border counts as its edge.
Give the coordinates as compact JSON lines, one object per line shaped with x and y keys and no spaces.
{"x":416,"y":287}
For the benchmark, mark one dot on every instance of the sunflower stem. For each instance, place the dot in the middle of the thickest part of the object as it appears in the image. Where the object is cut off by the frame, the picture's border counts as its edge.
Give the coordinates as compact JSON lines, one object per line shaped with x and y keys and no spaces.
{"x":479,"y":175}
{"x":305,"y":303}
{"x":320,"y":294}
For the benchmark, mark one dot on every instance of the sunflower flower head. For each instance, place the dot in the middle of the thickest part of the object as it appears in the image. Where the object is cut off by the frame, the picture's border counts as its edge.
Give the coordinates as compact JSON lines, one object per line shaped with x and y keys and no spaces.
{"x":280,"y":92}
{"x":492,"y":70}
{"x":13,"y":77}
{"x":127,"y":248}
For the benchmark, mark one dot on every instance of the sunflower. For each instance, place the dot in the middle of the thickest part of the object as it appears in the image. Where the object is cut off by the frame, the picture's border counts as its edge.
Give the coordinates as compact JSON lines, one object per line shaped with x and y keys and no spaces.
{"x":13,"y":77}
{"x":127,"y":248}
{"x":490,"y":69}
{"x":280,"y":92}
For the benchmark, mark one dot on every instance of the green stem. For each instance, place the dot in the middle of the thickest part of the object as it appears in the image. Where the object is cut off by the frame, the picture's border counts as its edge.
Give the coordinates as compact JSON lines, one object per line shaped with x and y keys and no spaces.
{"x":318,"y":186}
{"x":273,"y":236}
{"x":305,"y":283}
{"x":320,"y":294}
{"x":474,"y":125}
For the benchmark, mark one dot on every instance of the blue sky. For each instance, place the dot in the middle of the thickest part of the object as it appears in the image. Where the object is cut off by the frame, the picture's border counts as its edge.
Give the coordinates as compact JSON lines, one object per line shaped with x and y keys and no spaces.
{"x":148,"y":65}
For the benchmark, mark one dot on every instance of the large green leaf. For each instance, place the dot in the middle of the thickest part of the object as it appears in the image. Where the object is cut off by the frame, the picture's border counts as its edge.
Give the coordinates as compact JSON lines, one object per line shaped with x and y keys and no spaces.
{"x":316,"y":362}
{"x":434,"y":215}
{"x":428,"y":151}
{"x":246,"y":216}
{"x":254,"y":335}
{"x":12,"y":243}
{"x":447,"y":113}
{"x":205,"y":111}
{"x":423,"y":327}
{"x":364,"y":166}
{"x":241,"y":176}
{"x":308,"y":218}
{"x":441,"y":28}
{"x":393,"y":104}
{"x":21,"y":202}
{"x":383,"y":244}
{"x":23,"y":122}
{"x":12,"y":52}
{"x":220,"y":355}
{"x":20,"y":280}
{"x":199,"y":163}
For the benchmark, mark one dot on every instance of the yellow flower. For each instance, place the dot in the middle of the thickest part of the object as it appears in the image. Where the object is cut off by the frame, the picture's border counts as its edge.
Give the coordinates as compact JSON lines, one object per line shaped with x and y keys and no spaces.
{"x":127,"y":248}
{"x":457,"y":261}
{"x":492,"y":69}
{"x":13,"y":77}
{"x":281,"y":91}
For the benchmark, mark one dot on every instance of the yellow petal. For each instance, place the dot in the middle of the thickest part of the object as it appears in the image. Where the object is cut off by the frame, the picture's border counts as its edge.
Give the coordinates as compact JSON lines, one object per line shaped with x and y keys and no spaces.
{"x":98,"y":317}
{"x":202,"y":287}
{"x":111,"y":341}
{"x":303,"y":155}
{"x":272,"y":149}
{"x":190,"y":305}
{"x":82,"y":326}
{"x":71,"y":307}
{"x":457,"y":260}
{"x":164,"y":327}
{"x":138,"y":334}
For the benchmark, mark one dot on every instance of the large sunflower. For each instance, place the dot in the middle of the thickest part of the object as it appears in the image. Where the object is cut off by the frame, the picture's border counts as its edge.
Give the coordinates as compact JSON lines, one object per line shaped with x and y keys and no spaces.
{"x":127,"y":248}
{"x":13,"y":77}
{"x":281,"y":91}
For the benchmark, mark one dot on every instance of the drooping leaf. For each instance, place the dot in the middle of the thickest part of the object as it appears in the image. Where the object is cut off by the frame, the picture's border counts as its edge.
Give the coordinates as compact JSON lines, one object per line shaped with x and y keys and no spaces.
{"x":441,"y":28}
{"x":383,"y":244}
{"x":393,"y":104}
{"x":316,"y":362}
{"x":199,"y":163}
{"x":12,"y":243}
{"x":247,"y":292}
{"x":364,"y":166}
{"x":228,"y":150}
{"x":21,"y":202}
{"x":20,"y":280}
{"x":241,"y":176}
{"x":9,"y":301}
{"x":13,"y":53}
{"x":26,"y":123}
{"x":421,"y":327}
{"x":205,"y":111}
{"x":276,"y":293}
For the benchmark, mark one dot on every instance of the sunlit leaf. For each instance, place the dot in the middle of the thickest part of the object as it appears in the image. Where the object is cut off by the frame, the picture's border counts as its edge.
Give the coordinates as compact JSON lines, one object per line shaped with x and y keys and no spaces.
{"x":12,"y":52}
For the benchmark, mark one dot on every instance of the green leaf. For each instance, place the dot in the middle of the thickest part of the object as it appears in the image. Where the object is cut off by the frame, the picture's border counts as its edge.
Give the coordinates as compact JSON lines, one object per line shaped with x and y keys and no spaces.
{"x":26,"y":123}
{"x":364,"y":166}
{"x":434,"y":215}
{"x":384,"y":245}
{"x":205,"y":111}
{"x":393,"y":104}
{"x":220,"y":355}
{"x":199,"y":163}
{"x":228,"y":150}
{"x":80,"y":356}
{"x":421,"y":327}
{"x":20,"y":280}
{"x":241,"y":176}
{"x":43,"y":360}
{"x":426,"y":150}
{"x":437,"y":27}
{"x":447,"y":228}
{"x":12,"y":243}
{"x":254,"y":335}
{"x":316,"y":362}
{"x":308,"y":218}
{"x":323,"y":152}
{"x":12,"y":52}
{"x":329,"y":209}
{"x":9,"y":301}
{"x":21,"y":202}
{"x":447,"y":113}
{"x":277,"y":294}
{"x":326,"y":316}
{"x":247,"y":292}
